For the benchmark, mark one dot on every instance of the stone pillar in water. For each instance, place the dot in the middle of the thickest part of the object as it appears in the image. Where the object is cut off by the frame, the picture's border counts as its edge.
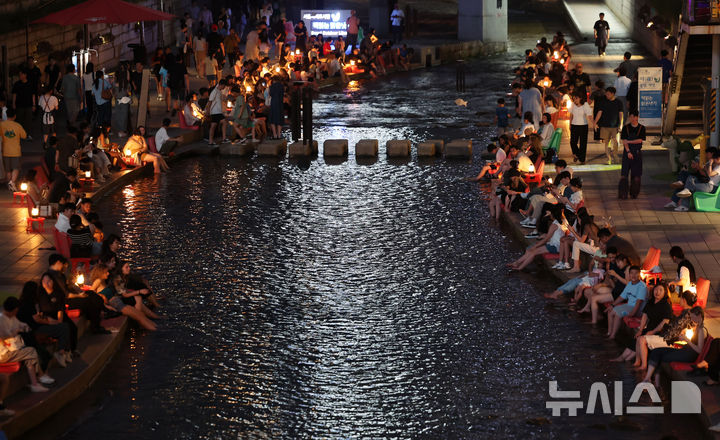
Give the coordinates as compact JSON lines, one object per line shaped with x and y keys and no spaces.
{"x":484,"y":20}
{"x":379,"y":18}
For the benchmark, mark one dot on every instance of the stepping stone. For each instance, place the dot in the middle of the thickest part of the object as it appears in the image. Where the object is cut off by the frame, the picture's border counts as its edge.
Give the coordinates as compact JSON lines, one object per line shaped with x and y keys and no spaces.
{"x":398,"y":148}
{"x":425,"y":149}
{"x":335,"y":148}
{"x":301,"y":149}
{"x":366,"y":148}
{"x":439,"y":145}
{"x":459,"y":149}
{"x":275,"y":148}
{"x":236,"y":150}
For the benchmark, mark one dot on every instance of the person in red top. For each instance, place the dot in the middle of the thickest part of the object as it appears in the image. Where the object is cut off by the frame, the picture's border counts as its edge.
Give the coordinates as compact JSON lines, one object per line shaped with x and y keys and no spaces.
{"x":353,"y":27}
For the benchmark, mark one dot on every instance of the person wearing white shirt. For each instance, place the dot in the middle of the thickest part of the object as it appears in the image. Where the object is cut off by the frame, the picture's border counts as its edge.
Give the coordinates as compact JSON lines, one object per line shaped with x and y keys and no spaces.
{"x":622,"y":85}
{"x":215,"y":107}
{"x":163,"y":142}
{"x":13,"y":349}
{"x":547,"y":130}
{"x":581,"y":119}
{"x":63,"y":219}
{"x":396,"y":20}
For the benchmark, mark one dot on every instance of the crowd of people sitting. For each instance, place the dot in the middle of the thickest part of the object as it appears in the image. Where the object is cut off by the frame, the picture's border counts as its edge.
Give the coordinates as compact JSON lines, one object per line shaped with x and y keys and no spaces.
{"x":657,"y":321}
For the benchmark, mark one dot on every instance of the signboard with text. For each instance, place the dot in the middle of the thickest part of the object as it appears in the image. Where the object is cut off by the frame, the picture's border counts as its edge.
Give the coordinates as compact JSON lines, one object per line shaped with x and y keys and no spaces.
{"x":650,"y":96}
{"x":329,"y":23}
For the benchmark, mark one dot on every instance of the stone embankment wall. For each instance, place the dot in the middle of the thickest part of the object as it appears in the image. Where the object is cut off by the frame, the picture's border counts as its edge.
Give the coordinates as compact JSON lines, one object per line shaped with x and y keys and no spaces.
{"x":627,"y":12}
{"x":46,"y":39}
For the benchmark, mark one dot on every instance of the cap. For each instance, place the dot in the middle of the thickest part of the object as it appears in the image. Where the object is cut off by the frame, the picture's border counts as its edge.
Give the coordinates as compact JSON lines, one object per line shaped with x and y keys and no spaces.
{"x":214,"y":28}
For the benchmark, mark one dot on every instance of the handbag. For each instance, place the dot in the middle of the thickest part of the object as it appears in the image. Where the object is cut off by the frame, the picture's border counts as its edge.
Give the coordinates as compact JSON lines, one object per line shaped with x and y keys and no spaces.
{"x":106,"y":94}
{"x":73,"y":161}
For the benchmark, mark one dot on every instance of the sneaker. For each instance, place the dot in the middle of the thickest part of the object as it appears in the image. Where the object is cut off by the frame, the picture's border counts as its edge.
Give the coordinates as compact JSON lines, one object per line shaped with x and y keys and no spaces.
{"x":530,"y":224}
{"x":679,"y":184}
{"x":684,"y":193}
{"x":38,"y":388}
{"x":60,"y":358}
{"x":532,"y":235}
{"x":525,"y":221}
{"x":566,"y":266}
{"x":681,"y":208}
{"x":46,"y":380}
{"x":225,"y":141}
{"x":212,"y":144}
{"x":557,"y":265}
{"x":671,"y":205}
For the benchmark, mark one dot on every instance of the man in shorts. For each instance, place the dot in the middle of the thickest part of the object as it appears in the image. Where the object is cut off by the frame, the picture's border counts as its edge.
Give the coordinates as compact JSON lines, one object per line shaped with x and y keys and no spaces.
{"x":216,"y":109}
{"x":11,"y":133}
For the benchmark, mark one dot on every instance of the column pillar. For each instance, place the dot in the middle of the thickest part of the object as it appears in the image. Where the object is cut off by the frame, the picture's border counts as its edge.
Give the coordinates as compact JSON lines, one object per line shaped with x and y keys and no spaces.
{"x":379,"y":18}
{"x":484,"y":20}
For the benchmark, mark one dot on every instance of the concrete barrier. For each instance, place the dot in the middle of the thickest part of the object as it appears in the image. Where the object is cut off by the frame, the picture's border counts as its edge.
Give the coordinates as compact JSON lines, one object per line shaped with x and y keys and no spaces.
{"x":335,"y":148}
{"x":301,"y":149}
{"x":237,"y":149}
{"x":398,"y":148}
{"x":272,"y":148}
{"x":425,"y":149}
{"x":366,"y":148}
{"x":459,"y":149}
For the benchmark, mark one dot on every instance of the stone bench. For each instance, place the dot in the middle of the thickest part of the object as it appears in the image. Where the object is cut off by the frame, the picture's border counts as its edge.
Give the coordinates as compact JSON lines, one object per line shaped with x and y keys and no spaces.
{"x":299,"y":148}
{"x":459,"y":149}
{"x":275,"y":148}
{"x":335,"y":148}
{"x":398,"y":148}
{"x":366,"y":148}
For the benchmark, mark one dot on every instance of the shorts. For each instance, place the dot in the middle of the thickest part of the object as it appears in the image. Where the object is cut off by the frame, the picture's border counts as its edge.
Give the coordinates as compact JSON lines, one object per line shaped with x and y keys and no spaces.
{"x":178,"y":94}
{"x":551,"y":248}
{"x":11,"y":163}
{"x":48,"y":128}
{"x":655,"y":341}
{"x":117,"y":303}
{"x":217,"y":118}
{"x":623,"y":310}
{"x":211,"y":77}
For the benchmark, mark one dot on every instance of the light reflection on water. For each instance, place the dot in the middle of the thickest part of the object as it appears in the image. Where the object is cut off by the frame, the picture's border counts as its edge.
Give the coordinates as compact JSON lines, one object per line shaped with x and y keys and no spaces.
{"x":309,"y":300}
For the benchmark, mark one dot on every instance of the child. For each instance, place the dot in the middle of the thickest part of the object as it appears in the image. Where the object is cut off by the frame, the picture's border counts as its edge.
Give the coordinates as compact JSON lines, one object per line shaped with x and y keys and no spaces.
{"x":501,"y":117}
{"x":211,"y":66}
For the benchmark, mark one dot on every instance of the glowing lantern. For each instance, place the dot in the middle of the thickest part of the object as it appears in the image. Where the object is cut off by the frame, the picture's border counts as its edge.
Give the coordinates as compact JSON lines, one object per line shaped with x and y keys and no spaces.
{"x":689,"y":333}
{"x":80,"y":280}
{"x":550,"y":180}
{"x":128,"y":153}
{"x":277,"y":70}
{"x":546,"y":83}
{"x":87,"y":174}
{"x":248,"y":89}
{"x":23,"y":187}
{"x":531,"y":169}
{"x":34,"y":212}
{"x":352,"y":62}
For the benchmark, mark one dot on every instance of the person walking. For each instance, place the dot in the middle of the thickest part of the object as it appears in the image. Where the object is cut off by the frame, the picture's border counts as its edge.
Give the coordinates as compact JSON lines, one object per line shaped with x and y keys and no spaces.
{"x":24,"y":101}
{"x":667,"y":70}
{"x":277,"y":116}
{"x":72,"y":94}
{"x":632,"y":136}
{"x":353,"y":27}
{"x":601,"y":28}
{"x":530,"y":100}
{"x":607,"y":120}
{"x":11,"y":132}
{"x":580,"y":121}
{"x":396,"y":20}
{"x":102,"y":94}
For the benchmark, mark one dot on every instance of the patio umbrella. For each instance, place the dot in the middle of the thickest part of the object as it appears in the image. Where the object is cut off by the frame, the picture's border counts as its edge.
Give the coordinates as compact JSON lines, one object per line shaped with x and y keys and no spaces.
{"x":104,"y":11}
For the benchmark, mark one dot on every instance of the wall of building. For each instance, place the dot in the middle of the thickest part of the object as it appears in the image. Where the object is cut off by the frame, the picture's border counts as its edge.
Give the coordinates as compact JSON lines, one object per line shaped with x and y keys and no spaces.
{"x":484,"y":20}
{"x":627,"y":12}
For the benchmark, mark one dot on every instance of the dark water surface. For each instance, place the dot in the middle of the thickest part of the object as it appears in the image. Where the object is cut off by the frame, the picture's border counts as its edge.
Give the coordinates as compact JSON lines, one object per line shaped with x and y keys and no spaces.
{"x":312,"y":300}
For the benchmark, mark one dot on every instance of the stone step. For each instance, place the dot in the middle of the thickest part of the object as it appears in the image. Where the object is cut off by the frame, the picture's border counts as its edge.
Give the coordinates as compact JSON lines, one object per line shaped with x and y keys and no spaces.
{"x":459,"y":149}
{"x":335,"y":148}
{"x":366,"y":148}
{"x":299,"y":149}
{"x":270,"y":148}
{"x":245,"y":149}
{"x":398,"y":148}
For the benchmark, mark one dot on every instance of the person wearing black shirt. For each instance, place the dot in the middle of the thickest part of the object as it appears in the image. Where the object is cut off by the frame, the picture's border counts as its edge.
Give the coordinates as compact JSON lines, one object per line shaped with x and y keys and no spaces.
{"x":34,"y":74}
{"x":24,"y":101}
{"x":178,"y":81}
{"x":216,"y":47}
{"x":685,"y":270}
{"x":88,"y":302}
{"x":632,"y":136}
{"x":601,"y":29}
{"x":52,"y":74}
{"x":301,"y":37}
{"x":607,"y":120}
{"x":42,"y":327}
{"x":81,"y":238}
{"x":580,"y":80}
{"x":61,"y":184}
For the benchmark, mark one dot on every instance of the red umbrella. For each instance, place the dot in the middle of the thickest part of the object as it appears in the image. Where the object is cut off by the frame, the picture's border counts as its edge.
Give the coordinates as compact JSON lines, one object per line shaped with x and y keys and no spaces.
{"x":104,"y":11}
